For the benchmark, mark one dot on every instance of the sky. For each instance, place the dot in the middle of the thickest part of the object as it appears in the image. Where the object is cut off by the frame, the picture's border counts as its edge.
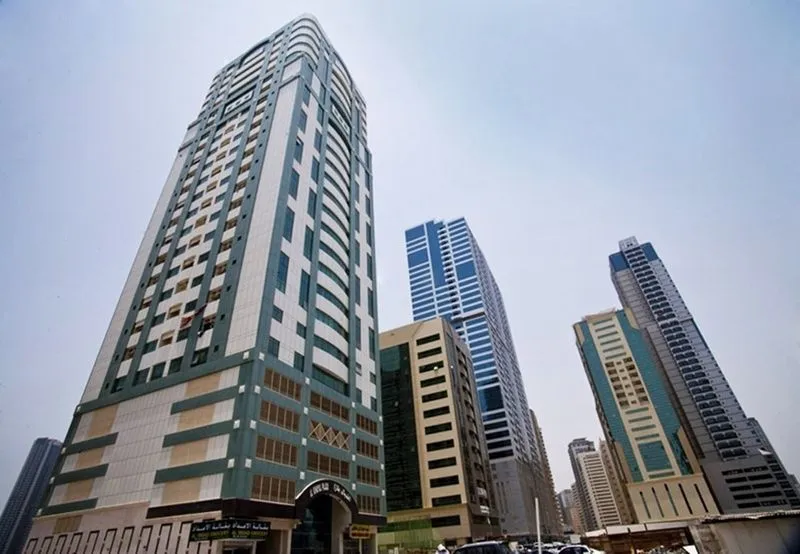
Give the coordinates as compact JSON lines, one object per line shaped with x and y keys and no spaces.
{"x":555,"y":128}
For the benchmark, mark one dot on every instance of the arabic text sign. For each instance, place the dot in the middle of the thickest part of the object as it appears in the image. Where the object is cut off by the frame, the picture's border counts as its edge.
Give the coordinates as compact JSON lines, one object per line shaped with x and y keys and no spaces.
{"x":229,"y":529}
{"x":359,"y":531}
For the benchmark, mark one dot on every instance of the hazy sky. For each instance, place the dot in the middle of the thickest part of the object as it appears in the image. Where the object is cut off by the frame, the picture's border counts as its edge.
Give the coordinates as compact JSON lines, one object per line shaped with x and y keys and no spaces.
{"x":556,"y":128}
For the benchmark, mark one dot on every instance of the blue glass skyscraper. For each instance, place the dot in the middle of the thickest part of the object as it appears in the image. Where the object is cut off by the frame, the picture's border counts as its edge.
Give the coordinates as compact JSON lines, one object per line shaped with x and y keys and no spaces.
{"x":449,"y":277}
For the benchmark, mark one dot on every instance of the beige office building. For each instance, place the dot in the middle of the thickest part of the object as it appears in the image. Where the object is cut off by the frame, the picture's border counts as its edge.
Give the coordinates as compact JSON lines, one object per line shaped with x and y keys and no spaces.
{"x":617,"y":484}
{"x":438,"y":487}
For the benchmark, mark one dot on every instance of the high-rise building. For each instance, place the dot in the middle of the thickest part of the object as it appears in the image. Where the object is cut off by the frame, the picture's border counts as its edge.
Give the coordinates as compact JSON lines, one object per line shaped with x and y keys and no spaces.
{"x":237,"y":379}
{"x":27,"y":494}
{"x":438,"y":478}
{"x":617,"y":483}
{"x":588,"y":522}
{"x":727,"y":445}
{"x":656,"y":460}
{"x":549,"y":513}
{"x":600,"y":496}
{"x":570,"y":510}
{"x":449,"y":277}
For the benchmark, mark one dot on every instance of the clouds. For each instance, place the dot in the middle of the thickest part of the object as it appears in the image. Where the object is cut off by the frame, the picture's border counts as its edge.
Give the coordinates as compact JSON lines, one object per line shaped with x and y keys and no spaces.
{"x":554,"y":128}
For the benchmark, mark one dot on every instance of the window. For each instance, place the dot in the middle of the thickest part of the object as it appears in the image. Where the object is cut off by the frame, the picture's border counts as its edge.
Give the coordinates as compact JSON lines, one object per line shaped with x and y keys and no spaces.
{"x":433,"y":412}
{"x":371,"y":343}
{"x":150,"y":346}
{"x":369,"y":234}
{"x":301,"y":330}
{"x":368,"y":449}
{"x":358,"y":333}
{"x":200,"y":357}
{"x":358,"y":291}
{"x":370,"y":303}
{"x":197,"y":280}
{"x":277,"y":314}
{"x":366,"y":424}
{"x":158,"y":320}
{"x":370,"y":268}
{"x":282,"y":384}
{"x":317,"y":141}
{"x":306,"y":98}
{"x":302,"y":120}
{"x":220,"y":269}
{"x":315,"y":170}
{"x":434,"y":396}
{"x":283,"y":272}
{"x":321,"y":463}
{"x":190,"y":306}
{"x":165,"y":294}
{"x":428,"y":353}
{"x":446,"y":521}
{"x":188,"y":262}
{"x":305,"y":288}
{"x":288,"y":224}
{"x":273,"y":346}
{"x":182,"y":285}
{"x":439,"y":445}
{"x":312,"y":203}
{"x":279,"y":416}
{"x":433,"y":381}
{"x":369,"y":504}
{"x":158,"y":371}
{"x":175,"y":365}
{"x":173,"y":271}
{"x":118,"y":383}
{"x":294,"y":181}
{"x":326,"y":346}
{"x":140,"y":376}
{"x":166,"y":338}
{"x":328,"y":406}
{"x":308,"y":244}
{"x":441,"y":462}
{"x":298,"y":150}
{"x":368,"y":476}
{"x":299,"y":361}
{"x":446,"y":500}
{"x":273,"y":489}
{"x":439,"y":428}
{"x":277,"y":451}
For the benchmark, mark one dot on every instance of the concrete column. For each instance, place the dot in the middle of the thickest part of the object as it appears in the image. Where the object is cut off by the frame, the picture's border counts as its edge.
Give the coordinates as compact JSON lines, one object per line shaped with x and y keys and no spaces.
{"x":340,"y":519}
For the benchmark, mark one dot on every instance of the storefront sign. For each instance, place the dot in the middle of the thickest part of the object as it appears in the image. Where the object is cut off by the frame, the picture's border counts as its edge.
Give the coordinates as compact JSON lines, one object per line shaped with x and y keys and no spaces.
{"x":229,"y":529}
{"x":326,"y":487}
{"x":360,"y":531}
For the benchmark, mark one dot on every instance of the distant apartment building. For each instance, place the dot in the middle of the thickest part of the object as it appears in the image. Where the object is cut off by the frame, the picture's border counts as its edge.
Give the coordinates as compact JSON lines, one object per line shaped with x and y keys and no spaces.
{"x":729,"y":446}
{"x":27,"y":495}
{"x":438,"y":477}
{"x":601,"y":500}
{"x":617,"y":483}
{"x":570,"y":510}
{"x":581,"y":488}
{"x":450,"y":277}
{"x":550,"y":514}
{"x":649,"y":446}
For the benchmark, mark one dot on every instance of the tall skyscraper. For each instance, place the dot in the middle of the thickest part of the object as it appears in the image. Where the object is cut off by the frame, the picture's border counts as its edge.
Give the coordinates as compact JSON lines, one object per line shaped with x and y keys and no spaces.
{"x":238,"y":377}
{"x":449,"y":277}
{"x":656,"y":460}
{"x":600,"y":496}
{"x":588,"y":520}
{"x":438,"y":478}
{"x":27,"y":494}
{"x":550,"y":516}
{"x":728,"y":446}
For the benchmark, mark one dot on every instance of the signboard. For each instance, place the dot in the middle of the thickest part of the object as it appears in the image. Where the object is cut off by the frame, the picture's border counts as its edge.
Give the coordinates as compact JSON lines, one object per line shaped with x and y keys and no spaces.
{"x":229,"y":529}
{"x":360,"y":531}
{"x":327,"y":487}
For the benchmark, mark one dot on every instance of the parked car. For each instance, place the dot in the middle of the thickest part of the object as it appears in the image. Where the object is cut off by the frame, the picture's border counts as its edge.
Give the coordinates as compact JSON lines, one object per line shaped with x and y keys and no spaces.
{"x":484,"y":547}
{"x":576,"y":549}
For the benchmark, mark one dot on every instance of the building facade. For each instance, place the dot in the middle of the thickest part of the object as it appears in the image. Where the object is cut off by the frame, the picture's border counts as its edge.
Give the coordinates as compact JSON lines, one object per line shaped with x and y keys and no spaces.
{"x":27,"y":495}
{"x":238,"y":377}
{"x":449,"y":277}
{"x":617,"y":481}
{"x":727,"y":445}
{"x":662,"y":476}
{"x":549,"y":512}
{"x":570,"y":511}
{"x":588,"y":522}
{"x":598,"y":486}
{"x":438,"y":477}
